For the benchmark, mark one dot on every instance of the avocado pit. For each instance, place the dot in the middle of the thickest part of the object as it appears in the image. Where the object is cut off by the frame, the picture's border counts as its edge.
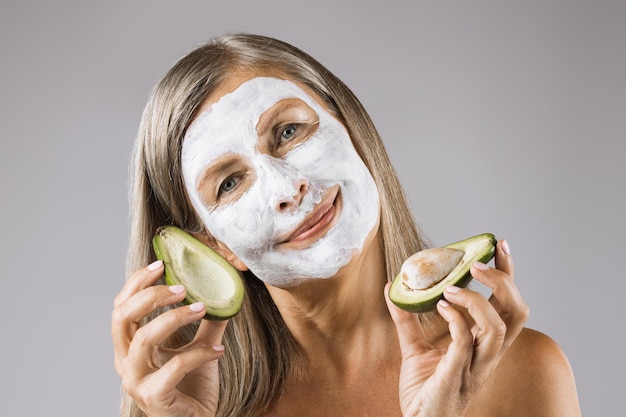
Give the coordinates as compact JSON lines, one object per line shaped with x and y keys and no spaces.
{"x":424,"y":276}
{"x":426,"y":268}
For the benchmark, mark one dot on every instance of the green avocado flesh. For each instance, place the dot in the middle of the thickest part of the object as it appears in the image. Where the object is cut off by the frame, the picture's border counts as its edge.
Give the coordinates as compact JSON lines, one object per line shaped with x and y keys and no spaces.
{"x":480,"y":248}
{"x":206,"y":276}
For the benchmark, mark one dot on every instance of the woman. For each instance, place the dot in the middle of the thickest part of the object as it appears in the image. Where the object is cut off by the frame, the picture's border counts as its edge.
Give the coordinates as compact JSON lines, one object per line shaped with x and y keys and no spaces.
{"x":263,"y":154}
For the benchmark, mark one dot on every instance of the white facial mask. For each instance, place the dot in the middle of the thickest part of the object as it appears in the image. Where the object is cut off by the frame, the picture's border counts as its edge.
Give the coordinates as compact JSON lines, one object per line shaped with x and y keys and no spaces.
{"x":252,"y":225}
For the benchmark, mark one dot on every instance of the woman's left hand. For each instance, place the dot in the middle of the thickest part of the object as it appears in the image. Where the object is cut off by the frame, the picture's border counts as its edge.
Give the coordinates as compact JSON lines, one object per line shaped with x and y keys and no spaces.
{"x":436,"y":382}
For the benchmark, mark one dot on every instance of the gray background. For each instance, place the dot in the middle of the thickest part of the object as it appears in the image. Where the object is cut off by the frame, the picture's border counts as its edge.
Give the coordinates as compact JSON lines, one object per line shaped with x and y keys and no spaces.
{"x":501,"y":116}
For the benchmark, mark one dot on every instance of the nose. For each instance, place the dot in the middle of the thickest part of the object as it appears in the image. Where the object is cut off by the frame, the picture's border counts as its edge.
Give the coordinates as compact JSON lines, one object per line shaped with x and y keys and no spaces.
{"x":289,"y":203}
{"x":282,"y":183}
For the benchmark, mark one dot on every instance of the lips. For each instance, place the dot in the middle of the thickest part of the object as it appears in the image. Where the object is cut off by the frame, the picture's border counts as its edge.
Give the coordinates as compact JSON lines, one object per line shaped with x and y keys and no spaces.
{"x":317,"y":221}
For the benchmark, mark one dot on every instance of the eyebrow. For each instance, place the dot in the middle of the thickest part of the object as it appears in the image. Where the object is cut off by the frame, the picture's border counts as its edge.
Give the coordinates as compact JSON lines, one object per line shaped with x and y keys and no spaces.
{"x":215,"y":168}
{"x":269,"y":116}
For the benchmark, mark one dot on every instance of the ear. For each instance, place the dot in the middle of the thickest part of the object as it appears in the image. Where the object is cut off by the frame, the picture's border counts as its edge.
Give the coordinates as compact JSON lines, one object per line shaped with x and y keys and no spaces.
{"x":221,"y":249}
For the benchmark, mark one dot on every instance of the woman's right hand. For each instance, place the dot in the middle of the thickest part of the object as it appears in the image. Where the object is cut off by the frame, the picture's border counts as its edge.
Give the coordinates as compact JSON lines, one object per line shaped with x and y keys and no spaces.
{"x":163,"y":381}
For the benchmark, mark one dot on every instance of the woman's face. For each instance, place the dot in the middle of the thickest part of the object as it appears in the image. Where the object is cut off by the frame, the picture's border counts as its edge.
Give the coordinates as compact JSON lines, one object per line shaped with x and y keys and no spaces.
{"x":276,"y":179}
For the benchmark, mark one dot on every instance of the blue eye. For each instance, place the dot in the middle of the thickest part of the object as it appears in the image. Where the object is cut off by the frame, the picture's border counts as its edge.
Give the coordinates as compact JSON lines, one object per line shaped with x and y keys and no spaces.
{"x":229,"y":184}
{"x":287,"y":132}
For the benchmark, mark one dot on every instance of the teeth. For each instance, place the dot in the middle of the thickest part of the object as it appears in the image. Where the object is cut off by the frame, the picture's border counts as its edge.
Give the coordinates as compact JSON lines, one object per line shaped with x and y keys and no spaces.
{"x":426,"y":268}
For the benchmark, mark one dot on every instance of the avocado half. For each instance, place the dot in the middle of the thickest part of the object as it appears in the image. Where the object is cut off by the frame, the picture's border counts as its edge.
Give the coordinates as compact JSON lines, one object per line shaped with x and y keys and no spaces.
{"x":206,"y":276}
{"x":480,"y":248}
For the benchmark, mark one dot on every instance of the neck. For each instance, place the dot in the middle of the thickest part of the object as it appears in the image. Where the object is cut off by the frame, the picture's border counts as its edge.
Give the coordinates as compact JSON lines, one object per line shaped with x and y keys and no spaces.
{"x":342,"y":321}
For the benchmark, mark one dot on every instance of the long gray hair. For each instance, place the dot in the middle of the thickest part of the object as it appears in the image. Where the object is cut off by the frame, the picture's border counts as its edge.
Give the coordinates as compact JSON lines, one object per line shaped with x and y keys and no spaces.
{"x":260,"y":351}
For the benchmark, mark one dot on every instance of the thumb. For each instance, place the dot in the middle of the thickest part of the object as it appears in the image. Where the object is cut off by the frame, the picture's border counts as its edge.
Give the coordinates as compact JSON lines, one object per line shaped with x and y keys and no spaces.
{"x":410,"y":331}
{"x":211,"y":332}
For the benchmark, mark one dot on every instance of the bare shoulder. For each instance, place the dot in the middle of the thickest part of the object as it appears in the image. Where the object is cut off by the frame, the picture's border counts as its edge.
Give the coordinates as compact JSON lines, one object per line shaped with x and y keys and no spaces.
{"x":534,"y":378}
{"x":538,"y":351}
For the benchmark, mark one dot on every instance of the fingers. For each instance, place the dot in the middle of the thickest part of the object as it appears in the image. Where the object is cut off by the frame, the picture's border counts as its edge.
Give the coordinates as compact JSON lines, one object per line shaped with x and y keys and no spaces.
{"x":460,"y":349}
{"x":410,"y":331}
{"x":158,"y":377}
{"x":164,"y":372}
{"x":480,"y":331}
{"x":149,"y":337}
{"x":175,"y":369}
{"x":490,"y":329}
{"x":211,"y":332}
{"x":158,"y":389}
{"x":128,"y":315}
{"x":499,"y":321}
{"x":504,"y":260}
{"x":506,"y":297}
{"x":136,"y":300}
{"x":140,"y":280}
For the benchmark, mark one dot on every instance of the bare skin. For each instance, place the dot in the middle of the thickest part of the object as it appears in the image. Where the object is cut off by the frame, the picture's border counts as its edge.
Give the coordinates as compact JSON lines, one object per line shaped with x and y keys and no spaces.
{"x":352,"y":371}
{"x":164,"y":382}
{"x":364,"y":356}
{"x":356,"y":365}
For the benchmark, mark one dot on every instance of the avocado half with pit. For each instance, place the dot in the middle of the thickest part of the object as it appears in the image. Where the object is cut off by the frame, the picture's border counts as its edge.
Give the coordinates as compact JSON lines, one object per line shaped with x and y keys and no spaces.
{"x":205,"y":274}
{"x":425,"y":275}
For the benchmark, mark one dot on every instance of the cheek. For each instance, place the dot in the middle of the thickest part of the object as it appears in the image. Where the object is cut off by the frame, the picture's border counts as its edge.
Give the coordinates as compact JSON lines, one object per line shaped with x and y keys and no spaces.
{"x":241,"y":224}
{"x":323,"y":155}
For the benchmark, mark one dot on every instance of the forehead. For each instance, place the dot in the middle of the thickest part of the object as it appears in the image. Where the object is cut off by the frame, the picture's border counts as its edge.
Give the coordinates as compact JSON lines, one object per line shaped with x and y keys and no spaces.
{"x":248,"y":79}
{"x":227,"y":121}
{"x":249,"y":99}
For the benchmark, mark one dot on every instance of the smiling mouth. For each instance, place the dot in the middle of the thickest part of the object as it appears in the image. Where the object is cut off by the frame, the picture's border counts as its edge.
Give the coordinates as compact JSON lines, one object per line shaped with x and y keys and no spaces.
{"x":316,"y":224}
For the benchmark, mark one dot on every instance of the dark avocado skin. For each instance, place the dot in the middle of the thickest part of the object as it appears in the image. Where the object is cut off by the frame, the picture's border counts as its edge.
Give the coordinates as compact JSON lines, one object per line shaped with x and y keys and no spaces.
{"x":429,"y":303}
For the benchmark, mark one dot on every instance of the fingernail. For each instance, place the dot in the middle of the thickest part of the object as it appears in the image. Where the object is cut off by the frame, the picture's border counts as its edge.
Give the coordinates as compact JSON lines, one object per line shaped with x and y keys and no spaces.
{"x":177,"y":289}
{"x":443,"y":303}
{"x":197,"y":307}
{"x":155,"y":265}
{"x":480,"y":266}
{"x":505,"y":247}
{"x":218,"y":348}
{"x":453,"y":289}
